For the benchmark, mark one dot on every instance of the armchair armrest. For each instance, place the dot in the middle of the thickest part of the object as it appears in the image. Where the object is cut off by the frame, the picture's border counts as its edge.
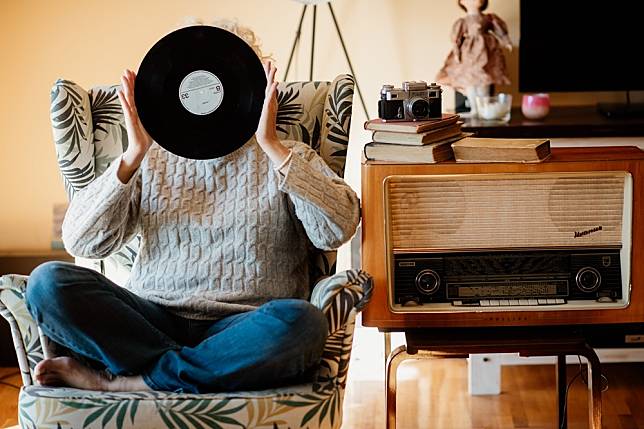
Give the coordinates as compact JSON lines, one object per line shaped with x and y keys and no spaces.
{"x":340,"y":297}
{"x":24,"y":330}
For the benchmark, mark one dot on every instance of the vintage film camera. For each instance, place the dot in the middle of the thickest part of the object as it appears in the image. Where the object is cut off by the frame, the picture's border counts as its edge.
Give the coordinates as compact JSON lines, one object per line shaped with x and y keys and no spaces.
{"x":413,"y":102}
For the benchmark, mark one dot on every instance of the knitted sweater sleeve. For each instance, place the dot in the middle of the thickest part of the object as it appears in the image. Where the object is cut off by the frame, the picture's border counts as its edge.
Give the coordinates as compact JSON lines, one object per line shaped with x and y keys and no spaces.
{"x":103,"y":216}
{"x":327,"y":207}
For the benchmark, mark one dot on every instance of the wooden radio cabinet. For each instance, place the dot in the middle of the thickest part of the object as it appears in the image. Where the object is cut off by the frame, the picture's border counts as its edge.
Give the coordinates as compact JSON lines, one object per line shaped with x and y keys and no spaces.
{"x":403,"y":213}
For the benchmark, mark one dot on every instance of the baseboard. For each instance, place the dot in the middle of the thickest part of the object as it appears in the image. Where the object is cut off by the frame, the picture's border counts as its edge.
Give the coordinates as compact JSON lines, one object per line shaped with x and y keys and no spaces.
{"x":605,"y":356}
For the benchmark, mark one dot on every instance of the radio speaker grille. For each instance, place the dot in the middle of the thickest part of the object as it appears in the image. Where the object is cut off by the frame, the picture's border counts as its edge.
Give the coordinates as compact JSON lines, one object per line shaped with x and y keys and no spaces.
{"x":476,"y":211}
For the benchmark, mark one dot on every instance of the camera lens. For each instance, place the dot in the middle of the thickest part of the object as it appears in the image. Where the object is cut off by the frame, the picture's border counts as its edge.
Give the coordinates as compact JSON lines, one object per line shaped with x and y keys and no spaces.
{"x":420,"y":108}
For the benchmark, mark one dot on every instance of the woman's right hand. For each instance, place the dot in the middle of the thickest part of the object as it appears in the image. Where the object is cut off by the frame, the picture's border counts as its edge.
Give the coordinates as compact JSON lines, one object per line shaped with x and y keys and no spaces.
{"x":139,"y":141}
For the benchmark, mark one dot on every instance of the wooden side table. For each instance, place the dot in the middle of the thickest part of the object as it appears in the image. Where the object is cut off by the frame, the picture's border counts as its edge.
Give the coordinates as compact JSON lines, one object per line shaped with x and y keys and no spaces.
{"x":22,"y":262}
{"x":562,"y":121}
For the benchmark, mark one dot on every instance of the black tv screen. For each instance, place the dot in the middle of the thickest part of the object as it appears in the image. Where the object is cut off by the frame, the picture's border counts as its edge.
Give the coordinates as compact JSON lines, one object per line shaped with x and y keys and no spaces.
{"x":577,"y":45}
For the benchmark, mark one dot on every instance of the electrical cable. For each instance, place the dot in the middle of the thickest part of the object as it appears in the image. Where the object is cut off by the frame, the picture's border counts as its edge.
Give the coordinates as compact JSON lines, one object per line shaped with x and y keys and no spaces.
{"x":566,"y":398}
{"x":584,"y":378}
{"x":585,"y":381}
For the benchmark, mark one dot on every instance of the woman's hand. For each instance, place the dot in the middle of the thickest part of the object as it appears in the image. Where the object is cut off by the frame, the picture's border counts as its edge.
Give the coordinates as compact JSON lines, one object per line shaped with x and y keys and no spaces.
{"x":139,"y":141}
{"x":266,"y":133}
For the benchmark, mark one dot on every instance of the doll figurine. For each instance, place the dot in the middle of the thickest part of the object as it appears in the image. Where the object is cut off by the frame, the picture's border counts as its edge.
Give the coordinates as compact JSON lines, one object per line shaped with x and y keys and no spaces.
{"x":476,"y":60}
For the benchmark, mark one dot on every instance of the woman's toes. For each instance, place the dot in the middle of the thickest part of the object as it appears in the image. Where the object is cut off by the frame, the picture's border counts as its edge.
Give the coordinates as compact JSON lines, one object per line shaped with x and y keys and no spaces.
{"x":48,"y":380}
{"x":47,"y":372}
{"x":39,"y":369}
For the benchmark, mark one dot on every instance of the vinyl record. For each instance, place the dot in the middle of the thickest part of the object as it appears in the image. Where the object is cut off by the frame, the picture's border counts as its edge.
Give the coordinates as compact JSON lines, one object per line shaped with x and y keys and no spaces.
{"x":199,"y":92}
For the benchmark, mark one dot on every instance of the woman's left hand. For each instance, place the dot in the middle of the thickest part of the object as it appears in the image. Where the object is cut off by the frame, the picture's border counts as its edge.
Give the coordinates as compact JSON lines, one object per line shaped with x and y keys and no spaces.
{"x":266,"y":133}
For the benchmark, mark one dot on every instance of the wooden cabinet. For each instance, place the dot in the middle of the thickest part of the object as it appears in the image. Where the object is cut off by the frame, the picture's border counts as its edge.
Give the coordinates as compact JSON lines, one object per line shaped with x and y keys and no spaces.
{"x":24,"y":261}
{"x":563,"y":121}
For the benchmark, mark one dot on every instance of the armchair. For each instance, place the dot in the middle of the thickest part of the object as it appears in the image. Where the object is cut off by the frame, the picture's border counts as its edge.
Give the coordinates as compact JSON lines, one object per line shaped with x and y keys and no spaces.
{"x":89,"y":134}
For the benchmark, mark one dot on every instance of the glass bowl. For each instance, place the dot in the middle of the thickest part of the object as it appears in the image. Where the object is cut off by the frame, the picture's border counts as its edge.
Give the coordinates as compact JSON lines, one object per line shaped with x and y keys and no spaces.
{"x":494,"y":107}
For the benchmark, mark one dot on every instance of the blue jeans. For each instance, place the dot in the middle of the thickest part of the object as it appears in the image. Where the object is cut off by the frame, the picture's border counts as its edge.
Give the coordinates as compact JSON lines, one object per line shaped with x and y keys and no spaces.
{"x":278,"y":343}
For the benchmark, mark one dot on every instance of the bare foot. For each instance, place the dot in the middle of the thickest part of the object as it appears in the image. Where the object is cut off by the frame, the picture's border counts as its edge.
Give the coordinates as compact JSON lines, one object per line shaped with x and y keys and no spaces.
{"x":66,"y":371}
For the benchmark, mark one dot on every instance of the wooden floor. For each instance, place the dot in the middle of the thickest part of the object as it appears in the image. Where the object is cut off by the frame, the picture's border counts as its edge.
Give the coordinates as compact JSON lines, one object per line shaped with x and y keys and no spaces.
{"x":9,"y":396}
{"x":437,"y":398}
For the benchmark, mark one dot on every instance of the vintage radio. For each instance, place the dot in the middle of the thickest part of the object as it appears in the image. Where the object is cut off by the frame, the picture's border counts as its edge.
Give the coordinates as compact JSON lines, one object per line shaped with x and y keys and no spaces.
{"x":455,"y":244}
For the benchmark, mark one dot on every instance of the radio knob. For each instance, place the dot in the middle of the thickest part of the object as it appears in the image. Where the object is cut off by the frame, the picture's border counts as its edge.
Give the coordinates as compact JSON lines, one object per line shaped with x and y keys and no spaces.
{"x":427,"y":281}
{"x":588,"y":279}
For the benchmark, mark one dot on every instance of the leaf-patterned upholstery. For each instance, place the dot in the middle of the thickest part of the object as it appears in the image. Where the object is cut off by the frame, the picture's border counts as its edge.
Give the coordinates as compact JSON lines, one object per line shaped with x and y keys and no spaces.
{"x":24,"y":329}
{"x":89,"y":134}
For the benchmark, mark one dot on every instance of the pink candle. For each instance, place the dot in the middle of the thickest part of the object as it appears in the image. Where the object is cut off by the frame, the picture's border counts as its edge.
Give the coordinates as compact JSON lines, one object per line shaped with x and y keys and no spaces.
{"x":535,"y":106}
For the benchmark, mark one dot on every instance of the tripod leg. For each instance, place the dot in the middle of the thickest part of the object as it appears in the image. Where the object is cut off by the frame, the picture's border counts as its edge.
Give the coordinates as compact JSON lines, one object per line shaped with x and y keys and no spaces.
{"x":346,"y":54}
{"x":295,"y":41}
{"x":315,"y":11}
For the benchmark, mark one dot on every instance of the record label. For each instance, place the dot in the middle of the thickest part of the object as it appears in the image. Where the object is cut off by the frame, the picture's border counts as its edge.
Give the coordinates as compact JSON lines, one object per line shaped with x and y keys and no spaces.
{"x":201,"y":92}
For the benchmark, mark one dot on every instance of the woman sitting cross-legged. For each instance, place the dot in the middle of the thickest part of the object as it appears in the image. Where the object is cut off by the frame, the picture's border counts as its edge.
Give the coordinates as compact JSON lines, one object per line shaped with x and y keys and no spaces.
{"x":216,"y":297}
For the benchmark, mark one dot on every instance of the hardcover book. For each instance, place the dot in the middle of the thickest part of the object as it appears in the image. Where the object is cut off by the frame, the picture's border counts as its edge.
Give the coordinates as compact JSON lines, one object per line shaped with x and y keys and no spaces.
{"x":425,"y":154}
{"x":472,"y":149}
{"x":410,"y":126}
{"x":417,"y":138}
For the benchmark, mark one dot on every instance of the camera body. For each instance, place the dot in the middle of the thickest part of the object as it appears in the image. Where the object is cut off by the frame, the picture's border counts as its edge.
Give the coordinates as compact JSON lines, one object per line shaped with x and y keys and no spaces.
{"x":415,"y":101}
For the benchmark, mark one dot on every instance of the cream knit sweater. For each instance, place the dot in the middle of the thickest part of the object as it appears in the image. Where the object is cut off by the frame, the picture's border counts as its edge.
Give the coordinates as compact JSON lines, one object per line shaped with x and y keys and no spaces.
{"x":219,"y":236}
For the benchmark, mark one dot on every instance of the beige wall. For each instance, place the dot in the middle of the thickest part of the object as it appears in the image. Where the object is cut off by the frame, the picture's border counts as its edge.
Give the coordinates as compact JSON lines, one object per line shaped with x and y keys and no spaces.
{"x":91,"y":41}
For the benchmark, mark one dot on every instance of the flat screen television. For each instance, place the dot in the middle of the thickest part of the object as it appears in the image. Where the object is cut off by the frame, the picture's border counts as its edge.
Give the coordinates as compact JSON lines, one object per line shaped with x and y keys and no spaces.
{"x":581,"y":45}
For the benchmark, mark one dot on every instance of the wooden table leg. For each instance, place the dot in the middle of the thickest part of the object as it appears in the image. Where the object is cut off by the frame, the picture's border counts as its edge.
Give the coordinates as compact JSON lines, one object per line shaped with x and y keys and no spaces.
{"x":594,"y":389}
{"x":387,"y":337}
{"x":562,"y":383}
{"x":391,"y":371}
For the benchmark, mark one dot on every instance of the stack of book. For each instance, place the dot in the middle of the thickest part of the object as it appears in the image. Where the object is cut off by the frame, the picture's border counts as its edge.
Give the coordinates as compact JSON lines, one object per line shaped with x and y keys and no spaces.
{"x":415,"y":142}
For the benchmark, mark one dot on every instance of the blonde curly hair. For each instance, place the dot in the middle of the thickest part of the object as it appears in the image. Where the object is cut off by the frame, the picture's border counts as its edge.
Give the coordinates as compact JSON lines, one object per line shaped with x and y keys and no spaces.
{"x":232,"y":25}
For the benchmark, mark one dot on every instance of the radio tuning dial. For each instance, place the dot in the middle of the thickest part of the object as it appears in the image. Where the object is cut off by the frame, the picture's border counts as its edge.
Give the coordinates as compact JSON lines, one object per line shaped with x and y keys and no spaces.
{"x":588,"y":279}
{"x":427,"y":281}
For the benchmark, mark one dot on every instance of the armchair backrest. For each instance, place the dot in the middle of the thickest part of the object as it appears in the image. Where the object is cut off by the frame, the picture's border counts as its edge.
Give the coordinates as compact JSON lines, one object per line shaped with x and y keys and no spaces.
{"x":89,"y":133}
